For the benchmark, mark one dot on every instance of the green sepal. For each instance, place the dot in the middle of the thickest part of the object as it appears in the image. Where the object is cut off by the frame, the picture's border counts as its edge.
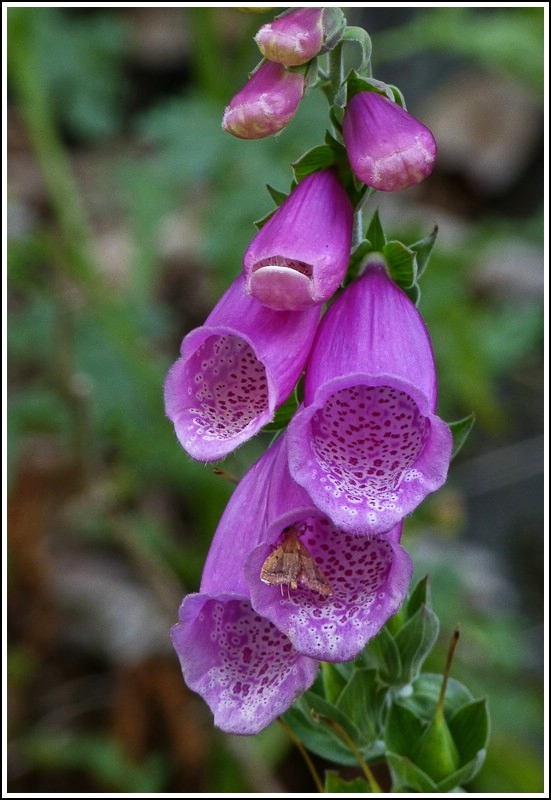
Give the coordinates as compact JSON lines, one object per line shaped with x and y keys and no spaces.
{"x":423,"y":249}
{"x":277,"y":196}
{"x":460,"y":430}
{"x":375,"y":234}
{"x":357,"y":259}
{"x":317,"y":158}
{"x":402,"y":263}
{"x":282,"y":417}
{"x":356,"y":83}
{"x":414,"y":294}
{"x":334,"y":784}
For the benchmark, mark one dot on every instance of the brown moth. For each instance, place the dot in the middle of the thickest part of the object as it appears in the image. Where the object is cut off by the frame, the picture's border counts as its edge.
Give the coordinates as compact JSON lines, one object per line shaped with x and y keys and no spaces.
{"x":291,"y":564}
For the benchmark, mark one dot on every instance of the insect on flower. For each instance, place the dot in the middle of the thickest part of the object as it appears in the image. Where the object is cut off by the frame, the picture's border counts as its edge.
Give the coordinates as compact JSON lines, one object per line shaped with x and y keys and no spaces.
{"x":291,"y":564}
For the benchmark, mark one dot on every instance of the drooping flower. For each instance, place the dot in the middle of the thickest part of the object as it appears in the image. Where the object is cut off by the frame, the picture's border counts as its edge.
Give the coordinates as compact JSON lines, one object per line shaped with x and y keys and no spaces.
{"x":234,"y":371}
{"x":300,"y":34}
{"x":367,"y":445}
{"x":363,"y":580}
{"x":388,"y":149}
{"x":300,"y":256}
{"x":265,"y":104}
{"x":245,"y":669}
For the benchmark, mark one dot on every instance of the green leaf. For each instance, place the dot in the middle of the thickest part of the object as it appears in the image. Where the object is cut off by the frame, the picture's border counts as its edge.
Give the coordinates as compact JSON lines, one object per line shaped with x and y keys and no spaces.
{"x":362,"y":702}
{"x":423,"y":698}
{"x":357,"y":259}
{"x":403,"y":729}
{"x":334,"y":681}
{"x":375,"y":233}
{"x":382,"y":653}
{"x":415,"y":640}
{"x":423,"y":249}
{"x":470,"y":728}
{"x":460,"y":430}
{"x":401,"y":262}
{"x":407,"y":775}
{"x":419,"y":596}
{"x":334,"y":784}
{"x":463,"y":774}
{"x":306,"y":719}
{"x":315,"y":159}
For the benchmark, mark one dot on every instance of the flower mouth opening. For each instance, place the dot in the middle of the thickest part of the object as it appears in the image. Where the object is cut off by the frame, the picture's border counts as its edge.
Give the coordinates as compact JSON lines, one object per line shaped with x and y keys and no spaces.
{"x":227,"y":389}
{"x":288,"y":263}
{"x":366,"y":438}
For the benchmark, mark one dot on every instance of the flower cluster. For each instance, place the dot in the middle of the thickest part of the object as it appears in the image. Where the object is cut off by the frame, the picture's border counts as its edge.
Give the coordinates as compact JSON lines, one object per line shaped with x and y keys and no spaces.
{"x":306,"y":564}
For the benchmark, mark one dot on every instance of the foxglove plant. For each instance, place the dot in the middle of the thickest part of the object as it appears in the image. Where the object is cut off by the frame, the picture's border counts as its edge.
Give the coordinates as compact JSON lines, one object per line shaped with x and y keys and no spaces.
{"x":300,"y":256}
{"x":367,"y":444}
{"x":234,"y":371}
{"x":307,"y":565}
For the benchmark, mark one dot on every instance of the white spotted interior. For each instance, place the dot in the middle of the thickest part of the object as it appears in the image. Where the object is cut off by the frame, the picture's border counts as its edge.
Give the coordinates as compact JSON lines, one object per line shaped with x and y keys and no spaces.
{"x":227,"y":388}
{"x":365,"y":438}
{"x":253,"y":659}
{"x":358,"y":569}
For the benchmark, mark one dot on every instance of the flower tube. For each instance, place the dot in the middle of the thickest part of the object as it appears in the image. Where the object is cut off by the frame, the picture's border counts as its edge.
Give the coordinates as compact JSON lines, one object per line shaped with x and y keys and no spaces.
{"x":300,"y":256}
{"x":367,"y":445}
{"x":266,"y":104}
{"x":234,"y":371}
{"x":364,"y":580}
{"x":245,"y":669}
{"x":388,"y":149}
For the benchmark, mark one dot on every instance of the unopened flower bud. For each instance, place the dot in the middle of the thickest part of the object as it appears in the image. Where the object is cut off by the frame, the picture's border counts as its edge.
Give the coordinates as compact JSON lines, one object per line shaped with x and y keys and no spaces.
{"x":388,"y":149}
{"x":266,"y":104}
{"x":300,"y":35}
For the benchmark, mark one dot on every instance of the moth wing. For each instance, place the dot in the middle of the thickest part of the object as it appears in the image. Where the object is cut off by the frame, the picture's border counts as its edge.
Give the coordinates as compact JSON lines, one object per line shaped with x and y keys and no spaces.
{"x":281,"y":567}
{"x":311,"y":575}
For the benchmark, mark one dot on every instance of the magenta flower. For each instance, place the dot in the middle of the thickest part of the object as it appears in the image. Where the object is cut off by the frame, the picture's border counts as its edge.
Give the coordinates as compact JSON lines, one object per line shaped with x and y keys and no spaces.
{"x":245,"y":669}
{"x":300,"y":256}
{"x":299,"y":35}
{"x":363,"y":580}
{"x":266,"y":104}
{"x":234,"y":371}
{"x":367,"y":445}
{"x":388,"y":149}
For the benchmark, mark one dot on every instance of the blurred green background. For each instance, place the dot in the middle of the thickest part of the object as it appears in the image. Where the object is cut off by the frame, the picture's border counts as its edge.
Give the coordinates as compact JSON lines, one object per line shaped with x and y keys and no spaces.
{"x":128,"y":212}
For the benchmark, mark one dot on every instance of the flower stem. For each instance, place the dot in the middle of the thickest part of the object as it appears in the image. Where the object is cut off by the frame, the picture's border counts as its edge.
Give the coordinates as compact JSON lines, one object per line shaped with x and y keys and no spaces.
{"x":306,"y":756}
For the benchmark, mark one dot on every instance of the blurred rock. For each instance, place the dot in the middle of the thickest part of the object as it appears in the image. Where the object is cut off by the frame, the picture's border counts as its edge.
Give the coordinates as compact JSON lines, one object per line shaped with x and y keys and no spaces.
{"x":487,"y":127}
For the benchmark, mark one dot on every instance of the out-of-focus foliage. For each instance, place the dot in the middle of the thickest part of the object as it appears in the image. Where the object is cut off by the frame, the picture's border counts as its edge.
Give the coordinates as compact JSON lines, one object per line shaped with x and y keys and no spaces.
{"x":109,"y":520}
